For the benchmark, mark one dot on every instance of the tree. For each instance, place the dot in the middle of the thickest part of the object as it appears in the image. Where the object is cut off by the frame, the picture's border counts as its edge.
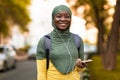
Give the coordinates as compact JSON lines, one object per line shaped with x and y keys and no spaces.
{"x":97,"y":13}
{"x":112,"y":45}
{"x":13,"y":12}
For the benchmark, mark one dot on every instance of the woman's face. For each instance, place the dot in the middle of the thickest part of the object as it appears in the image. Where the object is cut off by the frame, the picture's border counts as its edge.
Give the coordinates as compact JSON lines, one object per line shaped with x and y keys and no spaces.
{"x":62,"y":20}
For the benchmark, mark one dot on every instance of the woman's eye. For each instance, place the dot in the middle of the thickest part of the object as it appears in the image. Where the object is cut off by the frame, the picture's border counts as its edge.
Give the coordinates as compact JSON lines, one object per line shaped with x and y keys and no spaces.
{"x":67,"y":16}
{"x":58,"y":16}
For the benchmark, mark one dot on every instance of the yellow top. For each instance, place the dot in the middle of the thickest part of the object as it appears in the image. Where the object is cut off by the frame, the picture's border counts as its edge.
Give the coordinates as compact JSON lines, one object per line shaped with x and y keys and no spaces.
{"x":53,"y":74}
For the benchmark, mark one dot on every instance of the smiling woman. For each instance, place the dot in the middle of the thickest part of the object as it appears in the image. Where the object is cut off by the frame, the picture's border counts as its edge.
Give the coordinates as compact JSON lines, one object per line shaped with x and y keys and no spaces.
{"x":64,"y":57}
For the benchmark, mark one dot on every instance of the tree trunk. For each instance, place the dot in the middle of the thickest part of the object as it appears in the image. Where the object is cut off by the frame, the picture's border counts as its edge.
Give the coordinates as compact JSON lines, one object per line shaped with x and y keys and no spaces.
{"x":108,"y":49}
{"x":99,"y":24}
{"x":112,"y":44}
{"x":101,"y":44}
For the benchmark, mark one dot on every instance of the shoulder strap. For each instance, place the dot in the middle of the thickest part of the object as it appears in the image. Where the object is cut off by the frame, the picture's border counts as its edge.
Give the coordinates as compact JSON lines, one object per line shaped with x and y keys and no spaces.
{"x":77,"y":40}
{"x":47,"y":48}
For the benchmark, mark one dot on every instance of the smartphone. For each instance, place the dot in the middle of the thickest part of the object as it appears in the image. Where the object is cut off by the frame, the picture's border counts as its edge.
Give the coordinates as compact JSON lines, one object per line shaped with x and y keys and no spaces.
{"x":86,"y":61}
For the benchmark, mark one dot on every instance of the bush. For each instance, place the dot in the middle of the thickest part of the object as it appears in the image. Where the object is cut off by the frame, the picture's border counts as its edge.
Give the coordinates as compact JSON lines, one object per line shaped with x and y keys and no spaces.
{"x":97,"y":72}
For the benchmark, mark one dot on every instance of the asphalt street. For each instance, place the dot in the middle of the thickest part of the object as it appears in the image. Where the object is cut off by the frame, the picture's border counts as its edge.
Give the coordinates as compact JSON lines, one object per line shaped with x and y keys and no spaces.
{"x":25,"y":70}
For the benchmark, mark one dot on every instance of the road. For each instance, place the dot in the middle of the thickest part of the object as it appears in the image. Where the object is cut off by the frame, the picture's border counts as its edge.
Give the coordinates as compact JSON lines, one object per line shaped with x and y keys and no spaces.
{"x":25,"y":70}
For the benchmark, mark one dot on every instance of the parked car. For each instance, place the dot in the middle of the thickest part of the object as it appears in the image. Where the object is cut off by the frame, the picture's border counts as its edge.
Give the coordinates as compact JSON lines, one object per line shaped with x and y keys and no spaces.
{"x":7,"y":57}
{"x":89,"y":49}
{"x":32,"y":52}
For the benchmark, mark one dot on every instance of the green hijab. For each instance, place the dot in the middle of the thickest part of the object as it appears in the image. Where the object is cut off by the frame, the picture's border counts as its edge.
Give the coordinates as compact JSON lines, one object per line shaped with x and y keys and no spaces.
{"x":58,"y":9}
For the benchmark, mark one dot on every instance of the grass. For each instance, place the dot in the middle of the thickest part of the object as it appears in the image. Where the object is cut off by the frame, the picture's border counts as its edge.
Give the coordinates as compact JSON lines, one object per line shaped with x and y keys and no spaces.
{"x":97,"y":72}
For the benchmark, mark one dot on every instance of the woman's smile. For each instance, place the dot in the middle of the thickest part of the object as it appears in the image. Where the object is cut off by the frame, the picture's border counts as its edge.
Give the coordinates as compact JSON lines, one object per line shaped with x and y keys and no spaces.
{"x":63,"y":24}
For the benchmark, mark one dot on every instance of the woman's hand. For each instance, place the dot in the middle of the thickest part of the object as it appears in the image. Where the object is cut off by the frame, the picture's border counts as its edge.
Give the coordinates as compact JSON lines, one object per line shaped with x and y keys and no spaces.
{"x":83,"y":63}
{"x":80,"y":63}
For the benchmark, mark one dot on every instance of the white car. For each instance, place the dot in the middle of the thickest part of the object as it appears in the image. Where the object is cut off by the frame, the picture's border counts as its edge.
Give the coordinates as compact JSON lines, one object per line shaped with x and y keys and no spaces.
{"x":7,"y":57}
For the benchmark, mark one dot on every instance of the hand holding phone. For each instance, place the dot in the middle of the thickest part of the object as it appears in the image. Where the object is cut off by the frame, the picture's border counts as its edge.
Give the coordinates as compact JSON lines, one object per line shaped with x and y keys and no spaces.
{"x":83,"y":63}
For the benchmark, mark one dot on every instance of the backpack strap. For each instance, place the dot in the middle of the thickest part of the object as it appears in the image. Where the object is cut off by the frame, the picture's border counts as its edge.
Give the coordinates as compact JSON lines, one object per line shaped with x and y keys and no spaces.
{"x":47,"y":48}
{"x":77,"y":40}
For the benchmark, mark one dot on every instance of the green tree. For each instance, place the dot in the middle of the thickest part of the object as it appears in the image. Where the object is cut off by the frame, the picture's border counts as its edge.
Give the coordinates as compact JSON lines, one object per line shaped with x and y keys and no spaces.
{"x":13,"y":12}
{"x":108,"y":33}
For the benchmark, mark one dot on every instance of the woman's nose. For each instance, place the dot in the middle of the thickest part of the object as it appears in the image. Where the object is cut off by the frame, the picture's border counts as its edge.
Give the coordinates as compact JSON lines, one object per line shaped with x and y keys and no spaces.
{"x":63,"y":18}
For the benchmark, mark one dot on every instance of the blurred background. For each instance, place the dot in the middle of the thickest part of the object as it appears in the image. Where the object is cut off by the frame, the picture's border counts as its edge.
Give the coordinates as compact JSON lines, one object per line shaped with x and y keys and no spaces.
{"x":24,"y":22}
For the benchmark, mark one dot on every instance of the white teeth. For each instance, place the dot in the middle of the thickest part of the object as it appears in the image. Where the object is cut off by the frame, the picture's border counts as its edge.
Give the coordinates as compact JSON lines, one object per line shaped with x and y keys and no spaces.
{"x":62,"y":24}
